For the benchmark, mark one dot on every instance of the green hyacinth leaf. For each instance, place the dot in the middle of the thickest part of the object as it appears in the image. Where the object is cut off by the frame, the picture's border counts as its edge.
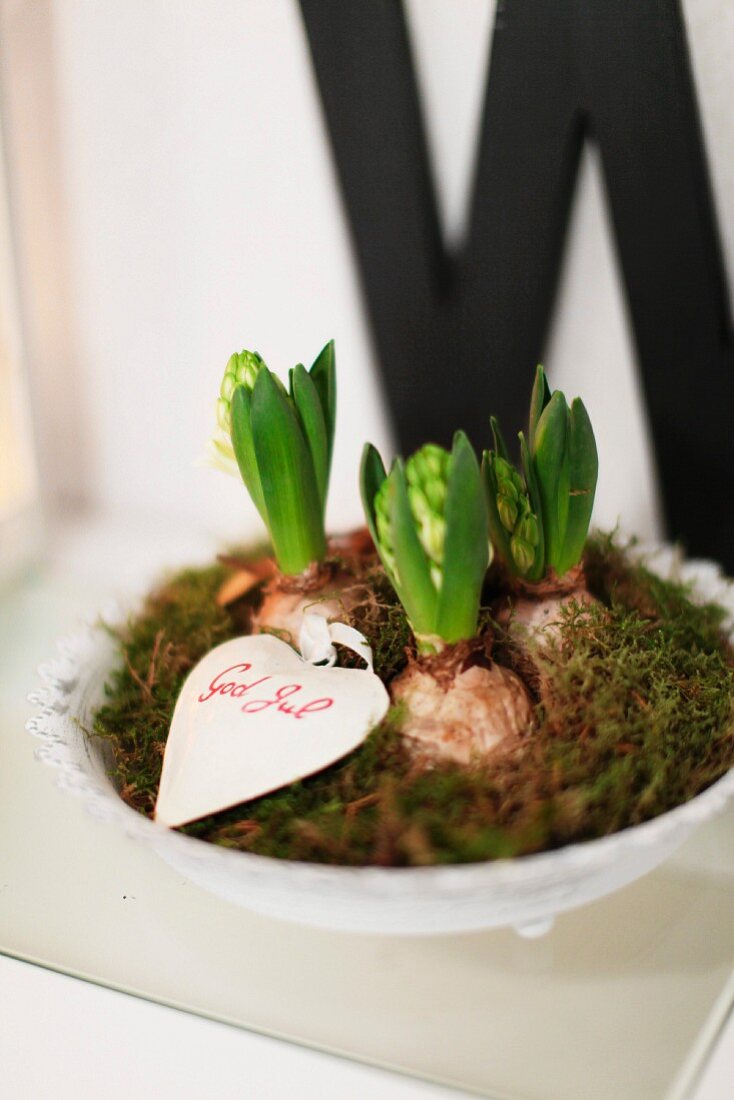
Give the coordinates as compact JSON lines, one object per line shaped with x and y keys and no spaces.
{"x":499,"y":442}
{"x":539,"y":399}
{"x":308,"y":404}
{"x":371,"y":476}
{"x":289,"y":485}
{"x":537,"y":570}
{"x":583,"y":473}
{"x":414,"y":586}
{"x":466,"y":546}
{"x":550,"y":461}
{"x":244,"y":447}
{"x":323,"y":375}
{"x":498,"y":533}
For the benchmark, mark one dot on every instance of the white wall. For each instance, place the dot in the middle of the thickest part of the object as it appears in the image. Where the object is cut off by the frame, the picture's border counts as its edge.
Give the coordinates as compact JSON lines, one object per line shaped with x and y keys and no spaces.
{"x":175,"y":199}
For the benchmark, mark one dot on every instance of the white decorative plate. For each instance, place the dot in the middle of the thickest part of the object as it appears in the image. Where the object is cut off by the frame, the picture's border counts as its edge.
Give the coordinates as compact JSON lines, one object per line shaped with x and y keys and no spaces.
{"x":526,"y":892}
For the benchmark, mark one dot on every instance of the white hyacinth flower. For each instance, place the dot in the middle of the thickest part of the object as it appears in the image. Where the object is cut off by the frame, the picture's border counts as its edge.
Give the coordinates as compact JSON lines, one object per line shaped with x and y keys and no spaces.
{"x":219,"y":455}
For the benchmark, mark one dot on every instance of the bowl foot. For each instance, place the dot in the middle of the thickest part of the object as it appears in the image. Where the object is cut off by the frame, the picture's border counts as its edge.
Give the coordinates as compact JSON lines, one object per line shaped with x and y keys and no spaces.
{"x":534,"y":929}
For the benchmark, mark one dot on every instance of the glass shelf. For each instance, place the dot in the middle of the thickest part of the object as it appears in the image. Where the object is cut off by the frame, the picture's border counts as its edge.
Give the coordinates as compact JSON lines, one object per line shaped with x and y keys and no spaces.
{"x":622,"y":999}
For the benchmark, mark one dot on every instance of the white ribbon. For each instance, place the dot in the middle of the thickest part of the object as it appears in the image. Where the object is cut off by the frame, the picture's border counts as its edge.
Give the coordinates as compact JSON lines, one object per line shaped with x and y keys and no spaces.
{"x":317,"y":636}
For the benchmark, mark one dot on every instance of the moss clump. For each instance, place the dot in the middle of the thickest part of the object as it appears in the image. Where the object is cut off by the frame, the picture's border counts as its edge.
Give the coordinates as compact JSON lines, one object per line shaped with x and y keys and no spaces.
{"x":179,"y":624}
{"x":633,"y":716}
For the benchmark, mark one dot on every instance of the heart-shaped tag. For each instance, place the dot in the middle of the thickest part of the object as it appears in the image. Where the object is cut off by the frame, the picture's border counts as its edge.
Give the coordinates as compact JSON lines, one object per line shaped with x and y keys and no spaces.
{"x":254,"y":716}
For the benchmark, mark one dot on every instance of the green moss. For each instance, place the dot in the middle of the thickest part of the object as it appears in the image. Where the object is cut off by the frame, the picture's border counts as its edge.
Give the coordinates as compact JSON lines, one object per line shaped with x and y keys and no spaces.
{"x":179,"y":624}
{"x":635,"y":718}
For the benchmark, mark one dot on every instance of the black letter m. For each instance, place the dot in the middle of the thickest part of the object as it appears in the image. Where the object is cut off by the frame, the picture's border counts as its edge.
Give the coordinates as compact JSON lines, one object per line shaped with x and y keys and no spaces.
{"x":453,"y":330}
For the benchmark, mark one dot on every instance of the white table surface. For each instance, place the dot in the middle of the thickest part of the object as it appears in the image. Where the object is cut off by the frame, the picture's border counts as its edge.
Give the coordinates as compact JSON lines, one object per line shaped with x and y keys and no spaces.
{"x":60,"y":1036}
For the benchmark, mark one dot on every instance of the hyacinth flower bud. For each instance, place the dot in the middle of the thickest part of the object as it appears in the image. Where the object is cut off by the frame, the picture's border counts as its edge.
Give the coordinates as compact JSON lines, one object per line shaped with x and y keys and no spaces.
{"x":383,"y":527}
{"x":509,"y":494}
{"x":427,"y":474}
{"x":281,"y":442}
{"x":429,"y":523}
{"x":539,"y":519}
{"x":523,"y":554}
{"x":242,"y":369}
{"x":524,"y":540}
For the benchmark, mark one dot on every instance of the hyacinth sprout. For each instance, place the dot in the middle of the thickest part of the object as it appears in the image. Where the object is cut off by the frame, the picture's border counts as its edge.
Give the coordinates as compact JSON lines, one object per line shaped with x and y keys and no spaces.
{"x":539,"y":518}
{"x":281,"y":442}
{"x":428,"y":520}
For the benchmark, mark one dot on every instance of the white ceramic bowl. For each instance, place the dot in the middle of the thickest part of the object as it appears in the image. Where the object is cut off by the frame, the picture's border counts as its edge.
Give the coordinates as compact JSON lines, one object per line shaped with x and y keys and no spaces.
{"x":526,"y":892}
